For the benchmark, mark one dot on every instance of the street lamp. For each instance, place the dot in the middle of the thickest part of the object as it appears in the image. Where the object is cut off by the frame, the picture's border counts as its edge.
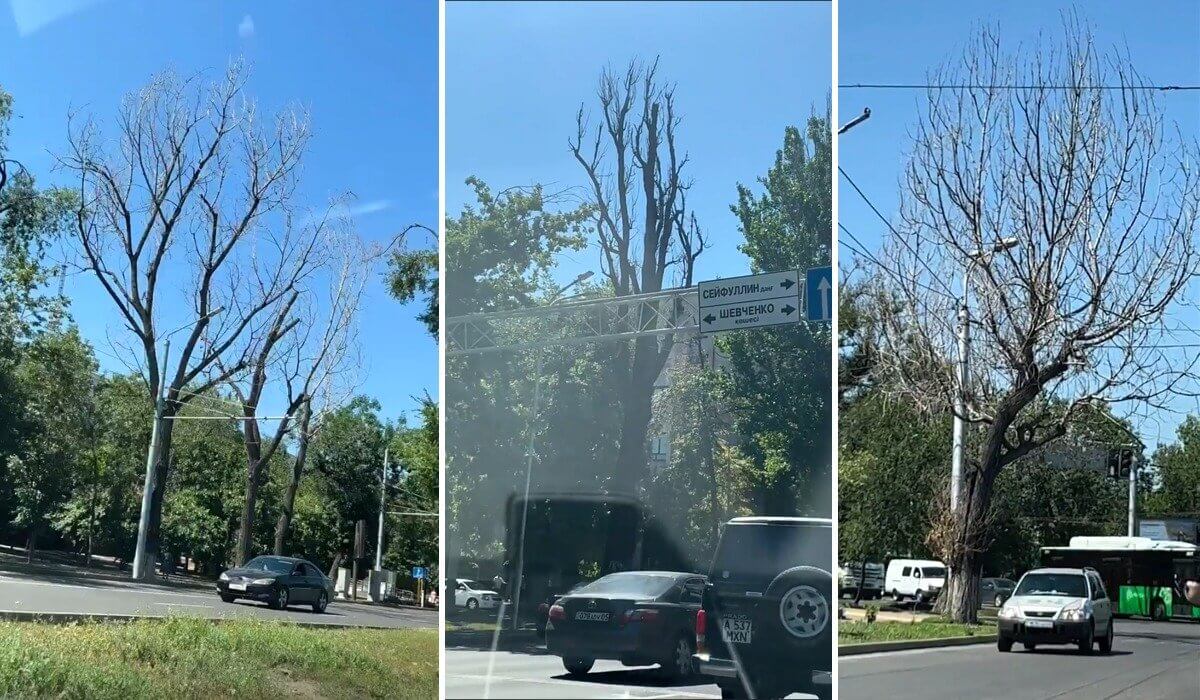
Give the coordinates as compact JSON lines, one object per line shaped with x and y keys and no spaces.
{"x":142,"y":568}
{"x":529,"y":448}
{"x":866,"y":114}
{"x":964,"y":347}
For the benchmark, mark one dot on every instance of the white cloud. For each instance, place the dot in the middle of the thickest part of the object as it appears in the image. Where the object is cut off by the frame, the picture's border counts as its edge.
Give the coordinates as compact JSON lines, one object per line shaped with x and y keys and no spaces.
{"x":246,"y":28}
{"x":32,"y":15}
{"x":348,"y":212}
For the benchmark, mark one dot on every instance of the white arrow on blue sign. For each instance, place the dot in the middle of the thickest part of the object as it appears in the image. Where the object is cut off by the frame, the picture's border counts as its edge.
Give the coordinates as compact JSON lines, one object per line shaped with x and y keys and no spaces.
{"x":418,"y":572}
{"x":819,"y":294}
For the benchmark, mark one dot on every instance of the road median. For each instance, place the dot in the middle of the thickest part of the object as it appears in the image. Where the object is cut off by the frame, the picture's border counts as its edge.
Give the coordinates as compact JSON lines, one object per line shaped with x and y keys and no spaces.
{"x":862,"y":637}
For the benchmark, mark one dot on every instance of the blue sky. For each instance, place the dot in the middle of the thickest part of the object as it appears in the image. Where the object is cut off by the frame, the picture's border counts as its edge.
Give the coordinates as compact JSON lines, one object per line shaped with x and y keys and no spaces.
{"x":366,"y":72}
{"x":881,"y":41}
{"x":516,"y":74}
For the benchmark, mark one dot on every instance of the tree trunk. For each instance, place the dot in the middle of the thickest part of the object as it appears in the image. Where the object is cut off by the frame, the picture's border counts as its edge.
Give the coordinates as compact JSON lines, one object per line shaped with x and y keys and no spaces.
{"x":862,"y":580}
{"x":31,"y":543}
{"x":289,"y":496}
{"x":622,"y":535}
{"x":246,"y":531}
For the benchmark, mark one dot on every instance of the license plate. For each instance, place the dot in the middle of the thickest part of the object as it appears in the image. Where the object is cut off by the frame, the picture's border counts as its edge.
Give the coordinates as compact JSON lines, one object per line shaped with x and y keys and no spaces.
{"x":237,"y":586}
{"x":592,"y":616}
{"x":1040,"y":624}
{"x":737,"y":629}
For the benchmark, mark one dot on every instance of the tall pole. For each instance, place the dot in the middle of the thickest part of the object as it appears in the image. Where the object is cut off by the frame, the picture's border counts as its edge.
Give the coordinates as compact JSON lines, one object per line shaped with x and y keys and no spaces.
{"x":382,"y":509}
{"x":141,"y":568}
{"x":1133,"y":467}
{"x":960,"y":395}
{"x":529,"y":448}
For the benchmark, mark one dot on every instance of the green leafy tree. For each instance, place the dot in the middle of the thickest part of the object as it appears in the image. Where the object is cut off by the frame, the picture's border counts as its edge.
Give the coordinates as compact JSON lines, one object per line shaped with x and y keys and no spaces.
{"x":781,"y":376}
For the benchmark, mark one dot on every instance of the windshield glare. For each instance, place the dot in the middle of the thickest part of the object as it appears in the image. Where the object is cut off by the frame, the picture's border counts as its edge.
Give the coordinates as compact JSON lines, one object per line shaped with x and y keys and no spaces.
{"x":1065,"y":585}
{"x":270,"y":564}
{"x":639,"y":585}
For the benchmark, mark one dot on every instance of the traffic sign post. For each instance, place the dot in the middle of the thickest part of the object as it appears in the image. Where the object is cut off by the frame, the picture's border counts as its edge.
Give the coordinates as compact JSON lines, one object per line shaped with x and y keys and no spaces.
{"x":751,"y":301}
{"x":819,"y":294}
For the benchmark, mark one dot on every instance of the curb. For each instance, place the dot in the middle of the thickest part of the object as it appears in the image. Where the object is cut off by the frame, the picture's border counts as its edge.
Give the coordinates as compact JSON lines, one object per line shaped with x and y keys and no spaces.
{"x":905,"y":644}
{"x":64,"y":618}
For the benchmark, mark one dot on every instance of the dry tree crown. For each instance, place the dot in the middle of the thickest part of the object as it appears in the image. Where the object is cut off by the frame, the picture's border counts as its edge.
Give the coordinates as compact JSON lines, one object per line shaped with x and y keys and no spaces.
{"x":1062,"y":152}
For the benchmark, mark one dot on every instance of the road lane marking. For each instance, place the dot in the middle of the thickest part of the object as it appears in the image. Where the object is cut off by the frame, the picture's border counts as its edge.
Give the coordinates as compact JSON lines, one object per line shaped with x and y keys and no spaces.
{"x":124,"y":587}
{"x":560,"y":681}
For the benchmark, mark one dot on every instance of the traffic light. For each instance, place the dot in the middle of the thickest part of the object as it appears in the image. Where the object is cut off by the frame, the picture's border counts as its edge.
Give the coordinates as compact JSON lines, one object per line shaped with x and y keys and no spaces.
{"x":1120,"y":461}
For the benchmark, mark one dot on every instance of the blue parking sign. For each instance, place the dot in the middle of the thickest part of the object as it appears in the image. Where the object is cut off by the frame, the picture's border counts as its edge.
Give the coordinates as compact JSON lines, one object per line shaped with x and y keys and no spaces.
{"x":818,"y":298}
{"x":418,"y":572}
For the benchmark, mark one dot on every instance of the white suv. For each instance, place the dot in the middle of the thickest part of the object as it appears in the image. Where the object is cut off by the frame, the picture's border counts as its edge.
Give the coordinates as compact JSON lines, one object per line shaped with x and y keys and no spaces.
{"x":1057,"y":606}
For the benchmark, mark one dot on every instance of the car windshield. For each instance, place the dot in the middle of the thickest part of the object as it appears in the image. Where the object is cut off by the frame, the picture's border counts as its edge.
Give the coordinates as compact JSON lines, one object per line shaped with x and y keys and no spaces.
{"x":760,"y":552}
{"x":1066,"y":585}
{"x":631,"y":584}
{"x":933,"y":572}
{"x":270,"y":564}
{"x":467,"y":583}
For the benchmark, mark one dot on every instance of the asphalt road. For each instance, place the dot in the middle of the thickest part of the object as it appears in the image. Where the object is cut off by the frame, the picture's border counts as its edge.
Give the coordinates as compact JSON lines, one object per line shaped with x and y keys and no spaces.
{"x":1150,"y":660}
{"x":473,"y":673}
{"x":46,"y":593}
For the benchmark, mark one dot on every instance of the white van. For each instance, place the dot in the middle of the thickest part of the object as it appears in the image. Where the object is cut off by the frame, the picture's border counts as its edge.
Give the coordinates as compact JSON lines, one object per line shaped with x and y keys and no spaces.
{"x":917,"y":579}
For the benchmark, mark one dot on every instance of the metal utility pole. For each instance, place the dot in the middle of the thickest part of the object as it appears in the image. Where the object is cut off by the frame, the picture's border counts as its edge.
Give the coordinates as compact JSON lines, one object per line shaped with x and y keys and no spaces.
{"x":382,"y":511}
{"x":1133,"y":468}
{"x":960,"y":396}
{"x":141,"y":568}
{"x":964,"y":352}
{"x":529,"y":449}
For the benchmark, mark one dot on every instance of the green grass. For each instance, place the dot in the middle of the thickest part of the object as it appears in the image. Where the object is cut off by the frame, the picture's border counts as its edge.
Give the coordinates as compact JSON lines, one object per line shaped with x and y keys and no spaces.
{"x":192,"y":658}
{"x":862,"y":632}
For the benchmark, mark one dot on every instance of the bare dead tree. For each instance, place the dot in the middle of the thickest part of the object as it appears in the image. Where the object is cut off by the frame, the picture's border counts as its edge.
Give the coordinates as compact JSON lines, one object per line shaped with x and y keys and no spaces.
{"x":643,"y":227}
{"x":185,"y":213}
{"x":1097,"y":203}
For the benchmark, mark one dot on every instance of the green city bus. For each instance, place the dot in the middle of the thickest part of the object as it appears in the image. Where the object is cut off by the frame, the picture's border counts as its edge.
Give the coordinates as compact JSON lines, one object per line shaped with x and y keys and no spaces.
{"x":1144,"y":576}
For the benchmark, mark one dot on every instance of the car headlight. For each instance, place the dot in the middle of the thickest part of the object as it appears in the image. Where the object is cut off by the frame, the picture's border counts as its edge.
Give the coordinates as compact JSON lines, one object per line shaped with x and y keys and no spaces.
{"x":224,"y":576}
{"x":1009,"y":612}
{"x":1077,"y":611}
{"x":262,"y":581}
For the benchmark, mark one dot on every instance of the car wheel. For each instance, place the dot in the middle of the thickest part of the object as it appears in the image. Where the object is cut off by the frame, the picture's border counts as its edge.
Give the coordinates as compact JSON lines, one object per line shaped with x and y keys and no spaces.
{"x":802,"y":612}
{"x":1086,"y":644}
{"x":472,"y":604}
{"x":680,"y":665}
{"x":896,"y":597}
{"x":280,"y":601}
{"x":1106,"y":643}
{"x":227,"y":598}
{"x":999,"y":601}
{"x":577,"y":666}
{"x":1004,"y":644}
{"x":321,"y":603}
{"x":732,"y":691}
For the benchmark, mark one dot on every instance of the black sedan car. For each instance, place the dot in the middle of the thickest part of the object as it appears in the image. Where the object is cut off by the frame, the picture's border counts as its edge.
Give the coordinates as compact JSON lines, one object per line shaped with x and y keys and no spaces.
{"x":278,"y":582}
{"x":994,"y":591}
{"x":636,"y":617}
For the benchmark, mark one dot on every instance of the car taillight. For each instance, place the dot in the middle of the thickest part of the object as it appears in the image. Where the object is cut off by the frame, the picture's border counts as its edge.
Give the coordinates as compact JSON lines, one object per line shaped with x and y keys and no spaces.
{"x":701,"y":631}
{"x":638,"y":615}
{"x":557,"y":612}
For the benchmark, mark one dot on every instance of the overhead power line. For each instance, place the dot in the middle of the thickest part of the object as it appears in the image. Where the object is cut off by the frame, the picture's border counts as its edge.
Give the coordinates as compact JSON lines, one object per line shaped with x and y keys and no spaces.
{"x":982,"y":86}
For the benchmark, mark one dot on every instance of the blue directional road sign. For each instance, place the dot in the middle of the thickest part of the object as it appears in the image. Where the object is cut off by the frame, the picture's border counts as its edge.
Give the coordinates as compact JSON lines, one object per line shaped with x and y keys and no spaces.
{"x":419,"y":572}
{"x":818,"y":296}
